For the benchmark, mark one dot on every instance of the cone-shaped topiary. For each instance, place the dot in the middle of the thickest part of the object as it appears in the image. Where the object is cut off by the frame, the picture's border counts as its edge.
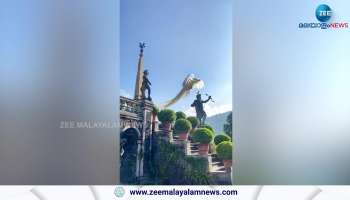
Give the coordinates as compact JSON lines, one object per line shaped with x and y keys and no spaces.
{"x":166,"y":116}
{"x":182,"y":126}
{"x":203,"y":136}
{"x":194,"y":121}
{"x":224,"y":150}
{"x":220,"y":138}
{"x":180,"y":115}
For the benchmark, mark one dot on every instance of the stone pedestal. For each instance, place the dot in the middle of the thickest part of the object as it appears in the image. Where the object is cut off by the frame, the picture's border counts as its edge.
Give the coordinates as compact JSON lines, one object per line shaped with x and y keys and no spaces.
{"x":145,"y":138}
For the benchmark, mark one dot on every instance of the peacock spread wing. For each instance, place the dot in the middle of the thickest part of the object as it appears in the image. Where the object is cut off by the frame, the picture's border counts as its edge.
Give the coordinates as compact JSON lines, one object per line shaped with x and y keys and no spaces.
{"x":188,"y":84}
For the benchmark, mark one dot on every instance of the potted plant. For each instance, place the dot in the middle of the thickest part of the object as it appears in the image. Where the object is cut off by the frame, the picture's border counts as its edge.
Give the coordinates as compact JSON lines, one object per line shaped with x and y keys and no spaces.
{"x":180,"y":115}
{"x":194,"y":121}
{"x":224,"y":151}
{"x":208,"y":127}
{"x":182,"y":127}
{"x":167,"y":117}
{"x":203,"y":136}
{"x":221,"y":138}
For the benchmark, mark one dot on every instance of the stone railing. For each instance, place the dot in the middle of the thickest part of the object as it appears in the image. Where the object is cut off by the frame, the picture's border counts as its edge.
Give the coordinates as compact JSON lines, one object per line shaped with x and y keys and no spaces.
{"x":129,"y":105}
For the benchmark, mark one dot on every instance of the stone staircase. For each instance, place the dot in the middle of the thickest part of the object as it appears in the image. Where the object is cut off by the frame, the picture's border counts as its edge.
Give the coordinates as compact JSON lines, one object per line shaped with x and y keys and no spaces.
{"x":216,"y":166}
{"x":193,"y":149}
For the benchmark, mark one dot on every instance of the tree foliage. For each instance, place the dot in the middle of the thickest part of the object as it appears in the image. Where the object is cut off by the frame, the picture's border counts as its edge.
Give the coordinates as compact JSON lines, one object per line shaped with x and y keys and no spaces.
{"x":228,"y":125}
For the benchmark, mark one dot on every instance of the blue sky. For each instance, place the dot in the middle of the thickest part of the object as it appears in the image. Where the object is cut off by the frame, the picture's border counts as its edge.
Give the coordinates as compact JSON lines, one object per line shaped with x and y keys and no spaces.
{"x":182,"y":37}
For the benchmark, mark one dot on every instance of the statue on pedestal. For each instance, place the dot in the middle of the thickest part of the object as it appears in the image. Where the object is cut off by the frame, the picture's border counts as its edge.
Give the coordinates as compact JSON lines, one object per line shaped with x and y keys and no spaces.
{"x":198,"y":104}
{"x":146,"y":85}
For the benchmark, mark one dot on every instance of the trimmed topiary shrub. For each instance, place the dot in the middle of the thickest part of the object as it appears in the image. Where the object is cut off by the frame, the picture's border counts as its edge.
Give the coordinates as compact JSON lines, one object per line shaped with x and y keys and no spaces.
{"x":170,"y":166}
{"x":203,"y":136}
{"x":208,"y":127}
{"x":194,"y":121}
{"x":220,"y":138}
{"x":166,"y":116}
{"x":224,"y":150}
{"x":182,"y":125}
{"x":180,"y":115}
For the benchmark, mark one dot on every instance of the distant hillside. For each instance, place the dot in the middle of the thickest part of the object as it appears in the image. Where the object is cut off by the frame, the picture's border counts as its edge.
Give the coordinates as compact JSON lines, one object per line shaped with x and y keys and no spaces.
{"x":217,"y":121}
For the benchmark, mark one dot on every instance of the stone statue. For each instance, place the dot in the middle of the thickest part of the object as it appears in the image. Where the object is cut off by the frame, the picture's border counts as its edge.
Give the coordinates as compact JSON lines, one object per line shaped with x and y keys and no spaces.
{"x":146,"y":85}
{"x":198,"y":104}
{"x":142,"y":45}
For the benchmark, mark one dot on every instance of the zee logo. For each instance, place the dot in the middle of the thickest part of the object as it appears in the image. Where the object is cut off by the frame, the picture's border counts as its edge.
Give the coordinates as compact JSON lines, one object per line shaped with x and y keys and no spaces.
{"x":323,"y":13}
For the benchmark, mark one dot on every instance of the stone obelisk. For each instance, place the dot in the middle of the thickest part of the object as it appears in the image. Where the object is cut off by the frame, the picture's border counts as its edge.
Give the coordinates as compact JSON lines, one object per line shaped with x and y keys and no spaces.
{"x":139,"y":75}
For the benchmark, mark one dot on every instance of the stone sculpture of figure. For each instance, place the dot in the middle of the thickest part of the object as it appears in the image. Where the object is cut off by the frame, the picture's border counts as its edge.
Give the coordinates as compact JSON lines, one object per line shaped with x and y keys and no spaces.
{"x":198,"y":104}
{"x":142,"y":45}
{"x":146,"y":85}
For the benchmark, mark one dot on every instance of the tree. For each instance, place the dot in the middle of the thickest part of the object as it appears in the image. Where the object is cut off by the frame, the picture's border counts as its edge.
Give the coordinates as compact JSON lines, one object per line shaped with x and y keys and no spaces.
{"x":228,"y":125}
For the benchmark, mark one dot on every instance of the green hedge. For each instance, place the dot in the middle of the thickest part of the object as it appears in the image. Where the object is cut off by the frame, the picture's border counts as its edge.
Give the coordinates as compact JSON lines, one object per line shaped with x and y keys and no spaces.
{"x":224,"y":150}
{"x":170,"y":166}
{"x":182,"y":125}
{"x":203,"y":136}
{"x":194,"y":121}
{"x":220,"y":138}
{"x":167,"y":116}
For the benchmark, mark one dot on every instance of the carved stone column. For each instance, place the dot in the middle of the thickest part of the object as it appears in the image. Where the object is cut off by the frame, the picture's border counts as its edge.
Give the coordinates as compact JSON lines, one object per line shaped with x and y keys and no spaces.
{"x":146,"y":133}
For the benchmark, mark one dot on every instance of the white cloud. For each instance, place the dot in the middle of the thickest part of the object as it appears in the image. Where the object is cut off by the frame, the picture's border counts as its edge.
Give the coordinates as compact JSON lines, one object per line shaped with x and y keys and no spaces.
{"x":124,"y":93}
{"x":190,"y":112}
{"x":211,"y":109}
